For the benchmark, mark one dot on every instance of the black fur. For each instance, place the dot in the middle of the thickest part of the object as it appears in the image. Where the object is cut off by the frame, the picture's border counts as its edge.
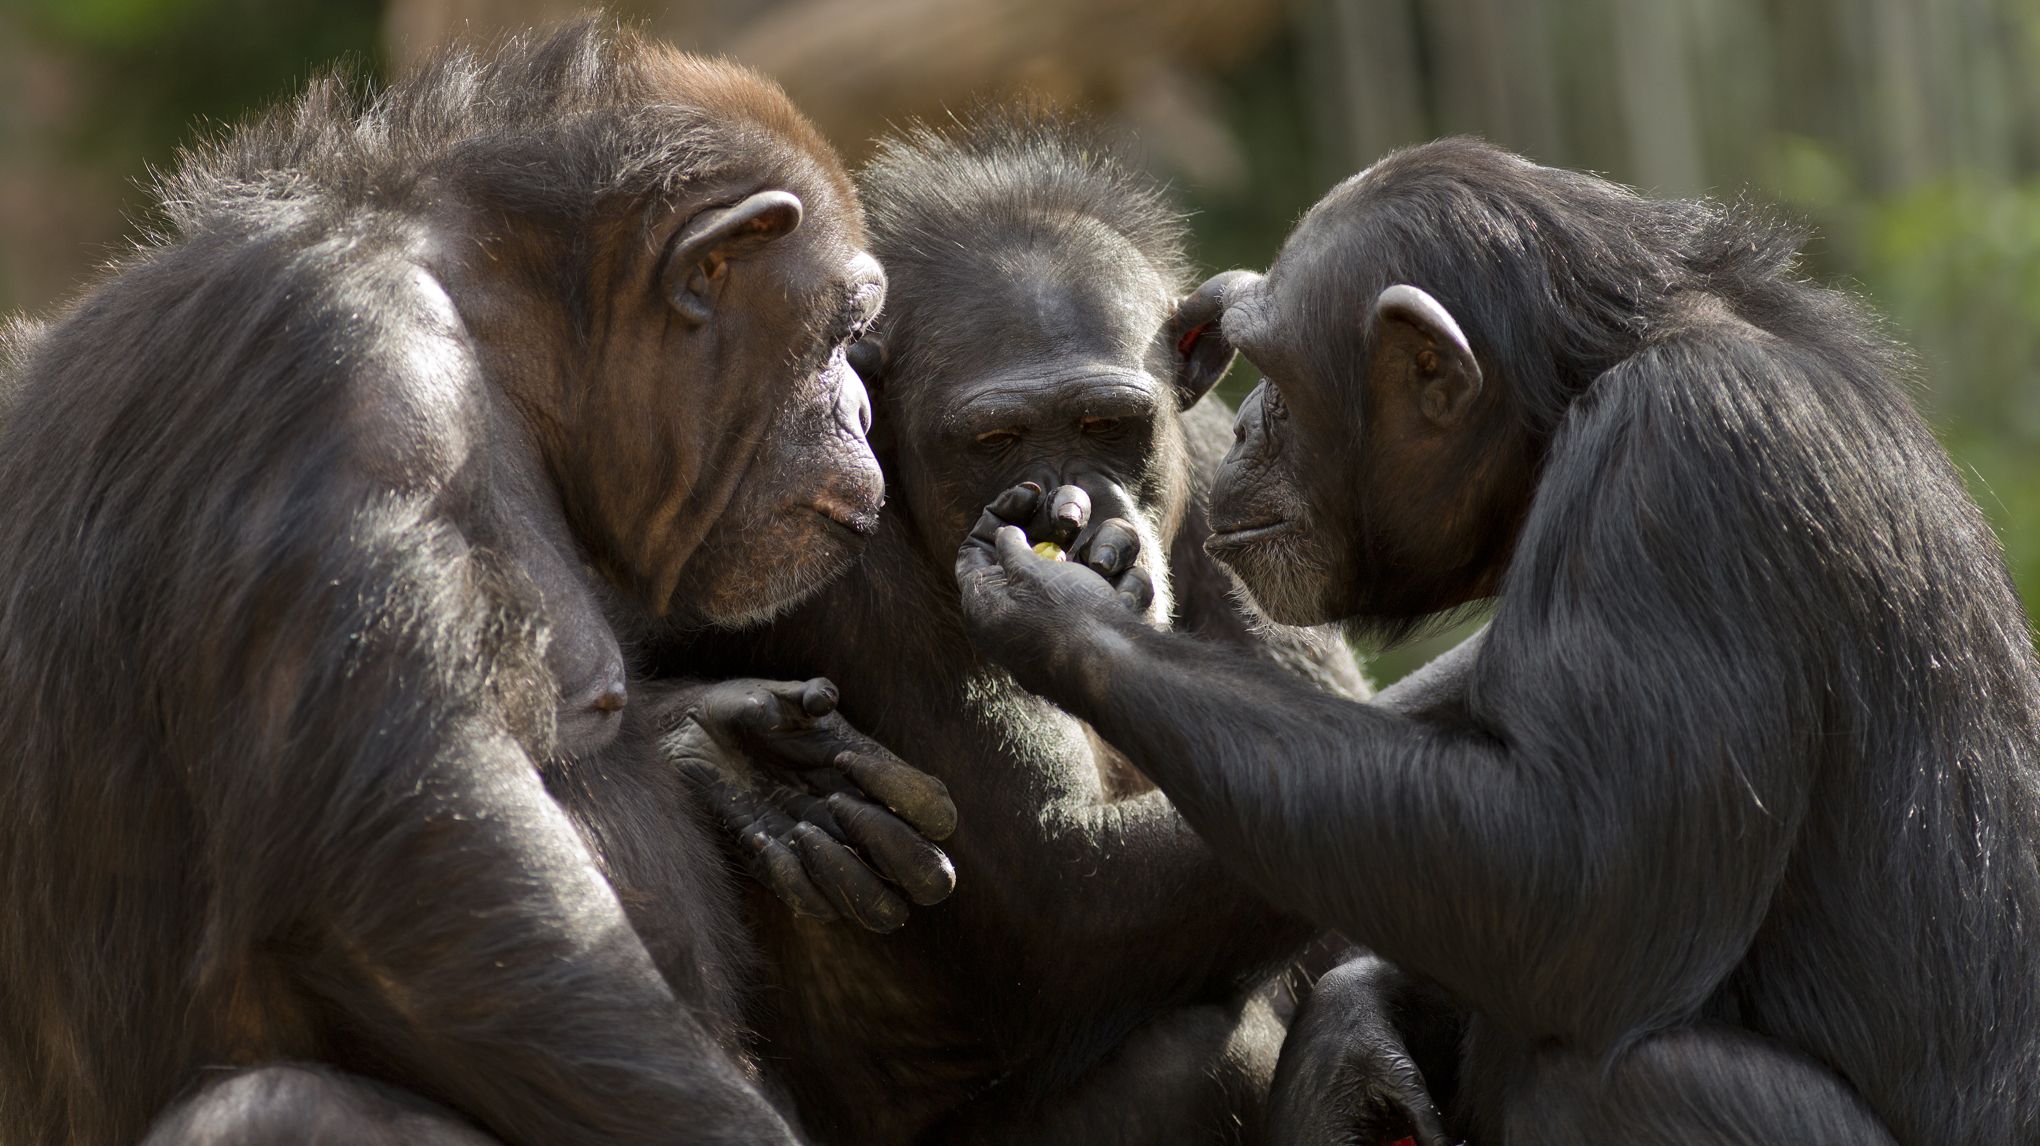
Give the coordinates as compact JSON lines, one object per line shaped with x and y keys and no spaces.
{"x":276,"y":667}
{"x":1090,"y":979}
{"x":1730,"y":831}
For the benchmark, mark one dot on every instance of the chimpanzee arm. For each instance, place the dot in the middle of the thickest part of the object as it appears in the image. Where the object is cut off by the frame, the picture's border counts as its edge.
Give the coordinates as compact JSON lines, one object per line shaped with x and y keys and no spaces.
{"x":1594,"y":849}
{"x":388,"y":823}
{"x":1372,"y":1056}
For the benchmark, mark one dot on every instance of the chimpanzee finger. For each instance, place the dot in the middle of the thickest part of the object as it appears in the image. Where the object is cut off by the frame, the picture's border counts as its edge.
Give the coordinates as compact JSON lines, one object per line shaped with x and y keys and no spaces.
{"x":818,"y":697}
{"x":1060,"y":516}
{"x":747,"y":820}
{"x":918,"y":798}
{"x":774,"y":865}
{"x":832,"y":743}
{"x":1111,"y":548}
{"x":786,"y":706}
{"x":1013,"y":549}
{"x":734,"y":709}
{"x":899,"y":853}
{"x":801,"y":806}
{"x":1015,"y":506}
{"x":854,"y":888}
{"x":1412,"y":1106}
{"x":1135,"y":589}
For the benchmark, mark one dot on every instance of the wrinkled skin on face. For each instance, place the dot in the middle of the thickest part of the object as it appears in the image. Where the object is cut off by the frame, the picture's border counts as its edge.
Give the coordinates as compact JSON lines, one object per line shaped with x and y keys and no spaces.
{"x":811,"y":494}
{"x":1069,"y":398}
{"x":705,"y":432}
{"x":1321,"y":523}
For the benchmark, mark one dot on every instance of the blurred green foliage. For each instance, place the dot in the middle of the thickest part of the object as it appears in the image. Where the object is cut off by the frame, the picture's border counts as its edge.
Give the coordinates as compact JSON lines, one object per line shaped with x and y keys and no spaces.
{"x":1955,"y":265}
{"x":157,"y":73}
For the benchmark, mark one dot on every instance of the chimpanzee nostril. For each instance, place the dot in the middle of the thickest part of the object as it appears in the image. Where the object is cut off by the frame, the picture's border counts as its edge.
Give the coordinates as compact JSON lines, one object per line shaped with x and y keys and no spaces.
{"x":853,"y":406}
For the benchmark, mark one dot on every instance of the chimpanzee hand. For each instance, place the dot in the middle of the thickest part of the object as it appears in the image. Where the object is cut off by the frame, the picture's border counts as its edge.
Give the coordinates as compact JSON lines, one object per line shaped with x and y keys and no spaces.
{"x":795,"y":785}
{"x":1345,"y":1077}
{"x":1023,"y":608}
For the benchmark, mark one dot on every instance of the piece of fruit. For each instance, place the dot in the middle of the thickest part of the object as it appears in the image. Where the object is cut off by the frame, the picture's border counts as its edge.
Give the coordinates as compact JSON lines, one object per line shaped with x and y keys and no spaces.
{"x":1049,"y":550}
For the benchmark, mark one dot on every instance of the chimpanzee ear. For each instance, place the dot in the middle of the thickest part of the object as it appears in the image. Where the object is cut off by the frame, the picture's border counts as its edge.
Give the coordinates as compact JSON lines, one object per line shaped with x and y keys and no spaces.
{"x":1192,"y":341}
{"x":1417,"y":335}
{"x":697,"y":263}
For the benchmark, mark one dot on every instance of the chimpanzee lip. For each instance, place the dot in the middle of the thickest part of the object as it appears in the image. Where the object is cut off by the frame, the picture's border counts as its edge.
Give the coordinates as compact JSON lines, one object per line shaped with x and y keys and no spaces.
{"x":862,"y":522}
{"x":1249,"y":534}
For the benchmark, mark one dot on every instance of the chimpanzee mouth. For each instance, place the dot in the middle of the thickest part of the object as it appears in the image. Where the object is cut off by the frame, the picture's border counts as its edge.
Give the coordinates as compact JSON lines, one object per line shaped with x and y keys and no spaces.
{"x":1249,"y":535}
{"x":862,"y":522}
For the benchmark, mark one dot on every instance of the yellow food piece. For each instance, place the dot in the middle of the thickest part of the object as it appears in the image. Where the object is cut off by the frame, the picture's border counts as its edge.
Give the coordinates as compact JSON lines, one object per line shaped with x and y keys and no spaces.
{"x":1050,"y":550}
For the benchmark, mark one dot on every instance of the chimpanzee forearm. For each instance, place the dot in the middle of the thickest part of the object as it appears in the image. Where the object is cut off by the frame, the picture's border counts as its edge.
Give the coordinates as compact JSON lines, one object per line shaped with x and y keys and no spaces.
{"x":1328,"y":806}
{"x":1191,"y":916}
{"x":499,"y":1002}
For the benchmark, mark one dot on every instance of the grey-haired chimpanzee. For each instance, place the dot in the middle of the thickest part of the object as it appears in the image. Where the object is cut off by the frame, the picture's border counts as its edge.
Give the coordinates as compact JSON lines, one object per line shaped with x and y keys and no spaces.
{"x":1088,"y":980}
{"x":1729,"y":832}
{"x":530,"y":340}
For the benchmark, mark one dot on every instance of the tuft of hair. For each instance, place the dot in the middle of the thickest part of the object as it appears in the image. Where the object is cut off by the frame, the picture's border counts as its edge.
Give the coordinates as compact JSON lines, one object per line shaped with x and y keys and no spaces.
{"x":931,"y":192}
{"x":19,"y":336}
{"x":550,"y":122}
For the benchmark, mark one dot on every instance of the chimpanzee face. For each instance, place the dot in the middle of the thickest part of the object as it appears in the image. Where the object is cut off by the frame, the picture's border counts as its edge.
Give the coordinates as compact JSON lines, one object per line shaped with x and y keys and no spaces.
{"x":1374,"y":478}
{"x":1046,"y":369}
{"x":810,"y":489}
{"x":1276,"y":503}
{"x":716,"y":444}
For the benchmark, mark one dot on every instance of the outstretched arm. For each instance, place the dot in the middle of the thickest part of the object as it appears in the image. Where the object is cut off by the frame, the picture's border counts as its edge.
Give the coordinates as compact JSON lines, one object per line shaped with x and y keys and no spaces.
{"x":1547,"y":849}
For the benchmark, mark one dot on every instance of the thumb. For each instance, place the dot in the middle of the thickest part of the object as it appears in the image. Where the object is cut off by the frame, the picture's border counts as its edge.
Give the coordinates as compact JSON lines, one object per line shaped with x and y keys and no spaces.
{"x":1011,"y":543}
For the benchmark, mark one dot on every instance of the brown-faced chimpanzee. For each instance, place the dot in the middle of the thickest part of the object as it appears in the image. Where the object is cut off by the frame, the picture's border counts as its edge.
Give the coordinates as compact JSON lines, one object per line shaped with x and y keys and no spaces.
{"x":1729,"y":832}
{"x":1089,"y":979}
{"x":294,"y":497}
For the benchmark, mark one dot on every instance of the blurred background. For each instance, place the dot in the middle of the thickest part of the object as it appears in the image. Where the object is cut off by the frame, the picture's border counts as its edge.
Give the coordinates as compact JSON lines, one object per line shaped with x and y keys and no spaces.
{"x":1906,"y":131}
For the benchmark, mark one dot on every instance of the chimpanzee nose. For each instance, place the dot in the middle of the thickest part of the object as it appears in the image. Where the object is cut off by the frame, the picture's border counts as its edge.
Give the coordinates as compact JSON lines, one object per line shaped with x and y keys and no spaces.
{"x":853,"y":405}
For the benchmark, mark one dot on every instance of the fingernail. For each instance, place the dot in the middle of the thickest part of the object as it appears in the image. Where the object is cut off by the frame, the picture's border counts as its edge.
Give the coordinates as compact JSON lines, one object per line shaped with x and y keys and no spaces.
{"x":1105,"y":555}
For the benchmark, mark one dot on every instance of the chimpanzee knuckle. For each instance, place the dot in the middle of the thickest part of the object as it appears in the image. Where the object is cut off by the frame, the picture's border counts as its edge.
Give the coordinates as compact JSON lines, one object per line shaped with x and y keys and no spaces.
{"x":852,"y":886}
{"x":913,"y":795}
{"x":691,"y":748}
{"x":1015,"y":505}
{"x":819,"y":698}
{"x":902,"y":856}
{"x":778,"y":868}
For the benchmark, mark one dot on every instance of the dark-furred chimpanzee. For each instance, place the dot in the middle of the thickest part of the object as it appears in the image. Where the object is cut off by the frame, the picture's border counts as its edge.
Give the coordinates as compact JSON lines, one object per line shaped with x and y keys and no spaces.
{"x":1089,"y":981}
{"x":1729,"y":833}
{"x":293,"y":499}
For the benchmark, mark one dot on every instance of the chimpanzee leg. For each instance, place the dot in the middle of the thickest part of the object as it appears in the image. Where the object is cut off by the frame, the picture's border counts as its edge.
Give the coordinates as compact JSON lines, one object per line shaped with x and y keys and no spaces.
{"x":308,"y":1106}
{"x":1707,"y":1085}
{"x":1194,"y":1076}
{"x":1371,"y":1053}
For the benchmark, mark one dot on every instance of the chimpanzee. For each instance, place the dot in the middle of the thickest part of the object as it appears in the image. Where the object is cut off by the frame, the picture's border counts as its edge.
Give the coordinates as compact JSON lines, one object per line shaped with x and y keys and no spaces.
{"x":1729,"y":834}
{"x":294,"y":498}
{"x":1088,"y":980}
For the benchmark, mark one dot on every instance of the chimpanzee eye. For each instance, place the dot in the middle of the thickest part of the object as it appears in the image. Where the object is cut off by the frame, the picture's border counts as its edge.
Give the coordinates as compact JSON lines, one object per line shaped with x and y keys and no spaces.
{"x":1100,"y":426}
{"x":997,"y":439}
